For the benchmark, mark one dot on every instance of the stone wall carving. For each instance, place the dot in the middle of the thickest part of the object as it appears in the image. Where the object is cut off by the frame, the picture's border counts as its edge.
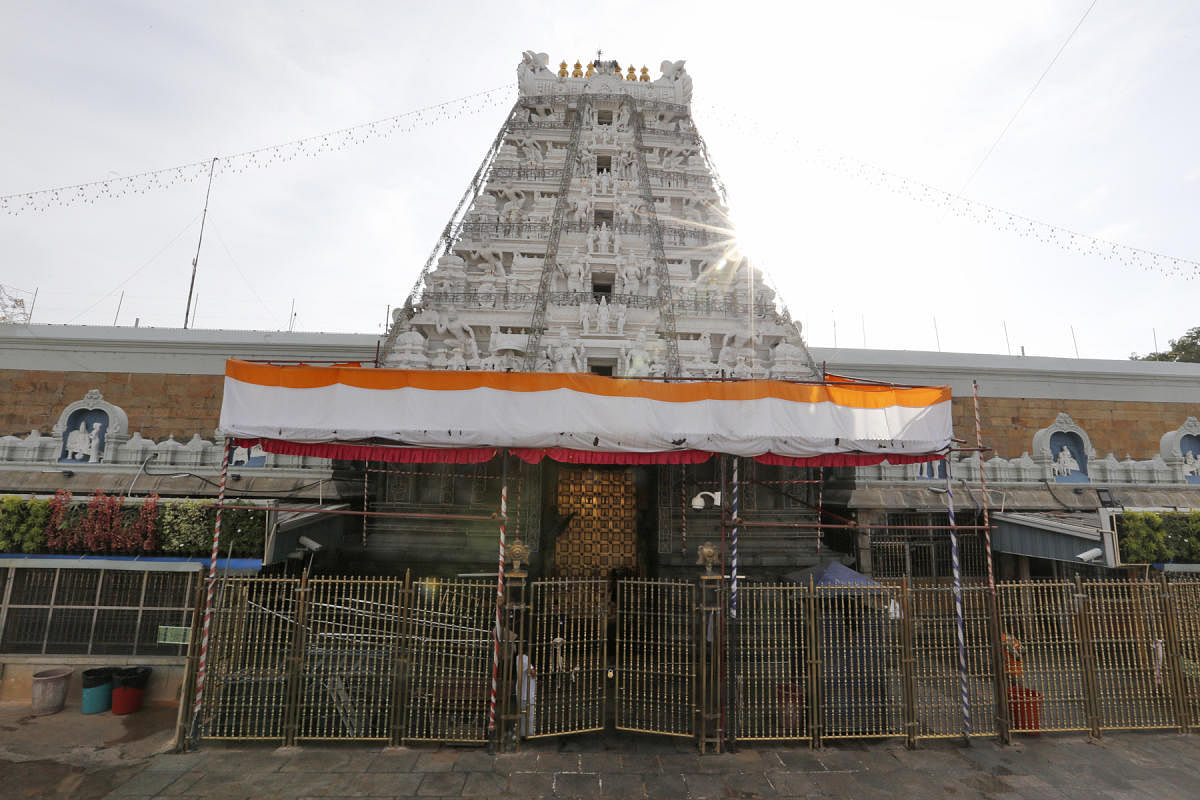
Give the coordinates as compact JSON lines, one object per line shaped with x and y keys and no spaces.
{"x":1180,"y":450}
{"x":115,"y":448}
{"x":1169,"y":467}
{"x":89,"y":428}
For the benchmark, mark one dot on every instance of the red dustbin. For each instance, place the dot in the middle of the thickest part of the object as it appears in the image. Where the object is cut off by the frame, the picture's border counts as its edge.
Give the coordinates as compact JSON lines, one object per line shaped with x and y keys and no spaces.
{"x":129,"y":687}
{"x":1025,"y":709}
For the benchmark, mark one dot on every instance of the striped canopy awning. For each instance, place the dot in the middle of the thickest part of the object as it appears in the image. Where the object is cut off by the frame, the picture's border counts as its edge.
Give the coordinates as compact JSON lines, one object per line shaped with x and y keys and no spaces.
{"x":417,"y":415}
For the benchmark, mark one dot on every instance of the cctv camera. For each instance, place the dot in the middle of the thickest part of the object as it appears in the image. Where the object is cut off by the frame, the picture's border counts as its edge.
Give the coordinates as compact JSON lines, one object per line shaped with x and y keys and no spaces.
{"x":698,"y":501}
{"x":1090,"y":555}
{"x":310,"y":544}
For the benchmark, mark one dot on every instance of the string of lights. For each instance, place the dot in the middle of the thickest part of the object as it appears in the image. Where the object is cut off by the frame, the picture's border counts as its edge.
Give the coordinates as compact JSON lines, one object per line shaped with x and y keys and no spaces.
{"x":259,"y":158}
{"x":1065,"y":239}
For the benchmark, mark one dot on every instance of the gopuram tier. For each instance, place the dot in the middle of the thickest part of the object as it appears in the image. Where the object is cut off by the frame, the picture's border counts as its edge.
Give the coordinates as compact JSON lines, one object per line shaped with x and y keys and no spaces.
{"x":595,"y":237}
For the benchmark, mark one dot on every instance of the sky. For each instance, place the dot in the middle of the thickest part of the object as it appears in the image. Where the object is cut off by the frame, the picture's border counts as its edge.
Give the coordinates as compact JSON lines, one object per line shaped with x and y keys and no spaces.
{"x":1105,"y":146}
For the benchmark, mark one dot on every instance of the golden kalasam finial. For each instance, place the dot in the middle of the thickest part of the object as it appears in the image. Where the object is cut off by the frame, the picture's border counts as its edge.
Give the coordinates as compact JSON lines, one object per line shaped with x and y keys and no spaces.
{"x":578,"y":71}
{"x":591,"y":70}
{"x":645,"y":74}
{"x":562,"y":70}
{"x":632,"y":76}
{"x":617,"y":69}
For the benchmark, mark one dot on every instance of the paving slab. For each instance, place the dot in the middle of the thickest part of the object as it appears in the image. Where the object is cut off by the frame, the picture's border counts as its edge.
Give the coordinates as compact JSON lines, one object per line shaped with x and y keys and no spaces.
{"x":1159,"y":764}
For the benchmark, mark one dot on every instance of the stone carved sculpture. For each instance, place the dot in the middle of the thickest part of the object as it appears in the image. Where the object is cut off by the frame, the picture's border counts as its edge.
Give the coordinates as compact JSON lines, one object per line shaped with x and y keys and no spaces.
{"x":604,"y":239}
{"x":635,"y":360}
{"x":621,"y":119}
{"x":587,"y":311}
{"x":455,"y":329}
{"x":512,"y":209}
{"x":491,"y":256}
{"x":1191,"y":464}
{"x":603,"y":315}
{"x":566,"y":356}
{"x":582,"y":207}
{"x":1064,"y":463}
{"x":618,"y":313}
{"x":533,"y":66}
{"x":84,"y":445}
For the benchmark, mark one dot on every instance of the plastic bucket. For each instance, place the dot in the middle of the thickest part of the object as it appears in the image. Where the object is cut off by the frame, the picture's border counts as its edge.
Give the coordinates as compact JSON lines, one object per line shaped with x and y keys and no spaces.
{"x":50,"y":690}
{"x":97,"y":689}
{"x":129,"y":687}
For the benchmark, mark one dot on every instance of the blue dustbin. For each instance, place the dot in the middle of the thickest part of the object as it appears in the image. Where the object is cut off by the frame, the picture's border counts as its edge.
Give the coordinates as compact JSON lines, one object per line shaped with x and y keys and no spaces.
{"x":97,"y":689}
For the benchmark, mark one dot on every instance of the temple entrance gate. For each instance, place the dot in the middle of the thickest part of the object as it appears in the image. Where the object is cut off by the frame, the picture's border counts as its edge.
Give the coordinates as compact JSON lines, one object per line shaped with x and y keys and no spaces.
{"x":561,"y":675}
{"x":600,"y":537}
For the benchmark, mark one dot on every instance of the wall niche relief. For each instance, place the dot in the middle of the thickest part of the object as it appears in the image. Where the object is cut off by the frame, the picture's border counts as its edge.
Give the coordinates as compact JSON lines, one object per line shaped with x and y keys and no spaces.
{"x":88,"y":429}
{"x":1063,"y":450}
{"x":1180,"y":448}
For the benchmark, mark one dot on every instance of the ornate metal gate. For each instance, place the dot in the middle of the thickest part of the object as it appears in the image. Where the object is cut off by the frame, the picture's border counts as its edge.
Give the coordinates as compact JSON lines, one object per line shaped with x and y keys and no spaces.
{"x":568,"y":650}
{"x":656,"y":657}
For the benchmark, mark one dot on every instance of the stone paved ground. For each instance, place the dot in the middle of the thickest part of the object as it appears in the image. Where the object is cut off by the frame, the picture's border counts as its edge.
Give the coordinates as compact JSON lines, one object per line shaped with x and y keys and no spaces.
{"x":1128,"y":765}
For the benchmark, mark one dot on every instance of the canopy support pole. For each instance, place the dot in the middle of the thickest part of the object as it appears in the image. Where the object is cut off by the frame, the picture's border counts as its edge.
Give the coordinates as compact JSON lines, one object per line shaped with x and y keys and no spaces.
{"x":958,"y":608}
{"x":735,"y":696}
{"x":497,"y":634}
{"x":987,"y":525}
{"x":202,"y":670}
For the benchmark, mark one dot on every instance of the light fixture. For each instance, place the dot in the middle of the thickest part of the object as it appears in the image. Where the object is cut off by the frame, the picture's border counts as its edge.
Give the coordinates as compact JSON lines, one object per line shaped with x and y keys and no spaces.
{"x":67,"y":473}
{"x":1090,"y":555}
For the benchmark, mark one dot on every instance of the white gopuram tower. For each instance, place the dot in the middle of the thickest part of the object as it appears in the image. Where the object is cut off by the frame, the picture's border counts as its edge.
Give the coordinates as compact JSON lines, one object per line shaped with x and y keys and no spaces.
{"x":595,"y":237}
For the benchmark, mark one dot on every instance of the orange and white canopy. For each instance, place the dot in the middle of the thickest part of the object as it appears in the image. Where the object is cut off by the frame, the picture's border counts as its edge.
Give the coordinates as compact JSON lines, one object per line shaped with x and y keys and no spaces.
{"x":339,"y":405}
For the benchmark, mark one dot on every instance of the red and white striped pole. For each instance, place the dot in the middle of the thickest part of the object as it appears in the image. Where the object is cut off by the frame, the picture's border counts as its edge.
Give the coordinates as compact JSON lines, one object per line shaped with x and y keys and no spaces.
{"x":497,"y":634}
{"x":987,"y":525}
{"x":212,"y":583}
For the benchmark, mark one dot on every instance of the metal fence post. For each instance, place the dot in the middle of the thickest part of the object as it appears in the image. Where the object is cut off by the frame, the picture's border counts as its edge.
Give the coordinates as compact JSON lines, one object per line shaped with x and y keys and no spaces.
{"x":908,"y":666}
{"x":815,"y":676}
{"x":1087,"y":659}
{"x":999,"y":679}
{"x":404,"y":608}
{"x":708,"y":640}
{"x":1173,"y":656}
{"x":295,"y":670}
{"x":513,"y":712}
{"x":182,"y":742}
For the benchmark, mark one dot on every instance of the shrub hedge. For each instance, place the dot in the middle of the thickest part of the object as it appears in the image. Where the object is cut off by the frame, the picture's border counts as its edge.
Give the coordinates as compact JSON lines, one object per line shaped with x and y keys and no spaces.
{"x":106,"y":525}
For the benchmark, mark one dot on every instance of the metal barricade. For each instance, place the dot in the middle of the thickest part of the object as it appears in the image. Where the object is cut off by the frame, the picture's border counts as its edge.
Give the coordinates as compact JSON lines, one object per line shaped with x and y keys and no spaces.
{"x":568,"y":650}
{"x":250,"y":644}
{"x":860,"y":661}
{"x":937,"y":707}
{"x":350,"y":657}
{"x":656,"y":657}
{"x":449,"y":638}
{"x":773,"y":662}
{"x":1041,"y":657}
{"x":1134,"y":688}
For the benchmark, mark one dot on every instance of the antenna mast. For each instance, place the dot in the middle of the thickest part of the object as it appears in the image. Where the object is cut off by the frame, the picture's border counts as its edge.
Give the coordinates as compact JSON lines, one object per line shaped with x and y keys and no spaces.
{"x":196,"y":260}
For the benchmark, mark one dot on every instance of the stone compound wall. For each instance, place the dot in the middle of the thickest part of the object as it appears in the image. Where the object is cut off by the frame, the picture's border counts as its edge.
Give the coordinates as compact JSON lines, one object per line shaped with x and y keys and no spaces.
{"x":157,"y":404}
{"x":1118,"y":427}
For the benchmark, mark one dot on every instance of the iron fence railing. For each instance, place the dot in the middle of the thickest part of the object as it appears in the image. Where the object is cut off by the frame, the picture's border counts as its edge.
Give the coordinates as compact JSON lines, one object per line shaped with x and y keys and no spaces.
{"x":78,"y":610}
{"x":402,"y":660}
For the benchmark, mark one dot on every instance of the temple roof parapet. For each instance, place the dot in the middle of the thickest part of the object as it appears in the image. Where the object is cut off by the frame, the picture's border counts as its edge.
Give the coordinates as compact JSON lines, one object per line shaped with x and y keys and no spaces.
{"x":540,"y":85}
